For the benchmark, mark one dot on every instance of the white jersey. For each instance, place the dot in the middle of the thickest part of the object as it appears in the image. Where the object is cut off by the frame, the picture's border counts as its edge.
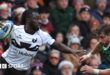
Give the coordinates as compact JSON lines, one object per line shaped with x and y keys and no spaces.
{"x":24,"y":47}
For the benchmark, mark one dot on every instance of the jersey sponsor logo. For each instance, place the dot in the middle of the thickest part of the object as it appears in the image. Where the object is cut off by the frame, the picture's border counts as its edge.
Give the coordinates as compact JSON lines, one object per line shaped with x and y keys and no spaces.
{"x":27,"y":46}
{"x":26,"y":54}
{"x":19,"y":36}
{"x":34,"y":40}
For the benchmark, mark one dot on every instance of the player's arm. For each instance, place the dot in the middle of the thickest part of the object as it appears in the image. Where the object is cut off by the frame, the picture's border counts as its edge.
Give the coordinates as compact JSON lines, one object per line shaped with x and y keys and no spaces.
{"x":104,"y":72}
{"x":60,"y":46}
{"x":64,"y":48}
{"x":95,"y":51}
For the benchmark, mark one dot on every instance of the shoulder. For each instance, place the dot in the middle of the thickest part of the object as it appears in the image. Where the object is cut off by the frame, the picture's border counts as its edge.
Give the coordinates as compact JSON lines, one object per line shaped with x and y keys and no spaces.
{"x":20,"y":26}
{"x":43,"y":33}
{"x":15,"y":27}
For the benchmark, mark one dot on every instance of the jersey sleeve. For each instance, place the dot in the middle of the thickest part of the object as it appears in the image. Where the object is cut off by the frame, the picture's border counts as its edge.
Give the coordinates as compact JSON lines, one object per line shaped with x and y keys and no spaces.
{"x":47,"y":39}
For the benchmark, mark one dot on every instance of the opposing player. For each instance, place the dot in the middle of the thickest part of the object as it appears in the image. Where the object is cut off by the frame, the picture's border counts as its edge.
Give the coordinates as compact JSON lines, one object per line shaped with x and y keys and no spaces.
{"x":25,"y":42}
{"x":104,"y":49}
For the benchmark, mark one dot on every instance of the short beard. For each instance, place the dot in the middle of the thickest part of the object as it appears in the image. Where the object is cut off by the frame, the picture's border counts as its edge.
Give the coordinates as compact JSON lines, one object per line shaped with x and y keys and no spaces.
{"x":35,"y":28}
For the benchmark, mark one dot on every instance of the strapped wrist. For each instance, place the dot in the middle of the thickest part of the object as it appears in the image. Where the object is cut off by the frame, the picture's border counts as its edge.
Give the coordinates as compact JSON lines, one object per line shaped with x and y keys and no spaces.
{"x":96,"y":71}
{"x":89,"y":55}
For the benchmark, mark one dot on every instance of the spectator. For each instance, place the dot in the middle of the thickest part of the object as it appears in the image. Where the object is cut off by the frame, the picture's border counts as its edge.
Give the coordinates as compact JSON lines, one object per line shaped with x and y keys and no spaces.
{"x":93,"y":42}
{"x":93,"y":39}
{"x":59,"y":37}
{"x":84,"y":24}
{"x":51,"y":67}
{"x":66,"y":68}
{"x":30,"y":5}
{"x":50,"y":3}
{"x":94,"y":24}
{"x":85,"y":14}
{"x":17,"y":14}
{"x":94,"y":62}
{"x":62,"y":15}
{"x":36,"y":70}
{"x":46,"y":24}
{"x":78,"y":4}
{"x":4,"y":12}
{"x":106,"y":17}
{"x":74,"y":31}
{"x":74,"y":43}
{"x":99,"y":11}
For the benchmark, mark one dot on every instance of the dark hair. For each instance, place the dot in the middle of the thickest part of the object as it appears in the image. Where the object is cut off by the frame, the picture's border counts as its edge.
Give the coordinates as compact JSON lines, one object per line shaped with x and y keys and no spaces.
{"x":72,"y":25}
{"x":43,"y":10}
{"x":85,"y":9}
{"x":57,"y":32}
{"x":27,"y":14}
{"x":107,"y":13}
{"x":92,"y":36}
{"x":104,"y":29}
{"x":35,"y":67}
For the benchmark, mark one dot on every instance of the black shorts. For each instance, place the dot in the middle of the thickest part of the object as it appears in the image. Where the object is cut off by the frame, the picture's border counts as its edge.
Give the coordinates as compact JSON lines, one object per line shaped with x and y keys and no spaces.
{"x":6,"y":70}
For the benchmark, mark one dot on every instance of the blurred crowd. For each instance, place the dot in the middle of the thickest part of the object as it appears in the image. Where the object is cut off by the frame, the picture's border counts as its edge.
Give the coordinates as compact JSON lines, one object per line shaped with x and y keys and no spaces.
{"x":72,"y":22}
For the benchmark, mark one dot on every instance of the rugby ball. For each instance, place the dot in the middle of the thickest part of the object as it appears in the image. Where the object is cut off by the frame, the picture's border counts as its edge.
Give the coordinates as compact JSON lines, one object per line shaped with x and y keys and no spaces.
{"x":5,"y":30}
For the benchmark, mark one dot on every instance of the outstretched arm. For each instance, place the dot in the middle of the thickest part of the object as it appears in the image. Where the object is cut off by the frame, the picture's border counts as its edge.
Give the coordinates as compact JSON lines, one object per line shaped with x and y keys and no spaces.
{"x":104,"y":72}
{"x":95,"y":51}
{"x":64,"y":48}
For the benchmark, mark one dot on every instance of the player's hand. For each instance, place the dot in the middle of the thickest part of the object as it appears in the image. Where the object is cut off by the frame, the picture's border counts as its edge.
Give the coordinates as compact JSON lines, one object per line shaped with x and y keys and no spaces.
{"x":83,"y":58}
{"x":87,"y":70}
